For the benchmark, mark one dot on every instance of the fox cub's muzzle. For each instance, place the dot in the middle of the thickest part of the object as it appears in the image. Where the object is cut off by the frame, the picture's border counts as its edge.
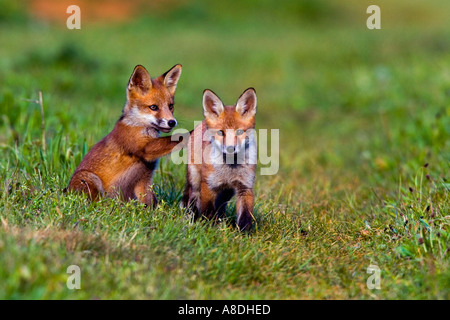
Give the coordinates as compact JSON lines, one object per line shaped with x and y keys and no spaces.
{"x":166,"y":125}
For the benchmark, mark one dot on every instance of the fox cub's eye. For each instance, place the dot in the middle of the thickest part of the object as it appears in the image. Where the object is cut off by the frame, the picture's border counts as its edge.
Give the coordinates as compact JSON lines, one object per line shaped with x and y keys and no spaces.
{"x":153,"y":107}
{"x":239,"y":132}
{"x":171,"y":106}
{"x":220,"y":133}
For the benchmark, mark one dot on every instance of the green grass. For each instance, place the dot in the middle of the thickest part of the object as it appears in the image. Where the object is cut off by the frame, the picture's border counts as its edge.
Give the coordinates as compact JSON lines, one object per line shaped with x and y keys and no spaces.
{"x":364,"y":123}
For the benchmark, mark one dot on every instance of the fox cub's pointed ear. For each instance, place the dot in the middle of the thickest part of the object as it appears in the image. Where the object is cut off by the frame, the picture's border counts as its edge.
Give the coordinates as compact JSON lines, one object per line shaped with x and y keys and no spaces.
{"x":171,"y":78}
{"x":212,"y":105}
{"x":140,"y":80}
{"x":246,"y":104}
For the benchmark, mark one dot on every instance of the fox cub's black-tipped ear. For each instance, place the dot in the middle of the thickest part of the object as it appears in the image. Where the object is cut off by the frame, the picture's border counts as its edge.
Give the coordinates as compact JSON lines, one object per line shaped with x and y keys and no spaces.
{"x":171,"y":78}
{"x":212,"y":105}
{"x":246,"y":104}
{"x":140,"y":80}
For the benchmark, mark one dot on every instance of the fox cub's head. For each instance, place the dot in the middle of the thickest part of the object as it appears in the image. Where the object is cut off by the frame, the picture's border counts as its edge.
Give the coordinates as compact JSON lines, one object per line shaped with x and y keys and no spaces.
{"x":230,"y":127}
{"x":150,"y":101}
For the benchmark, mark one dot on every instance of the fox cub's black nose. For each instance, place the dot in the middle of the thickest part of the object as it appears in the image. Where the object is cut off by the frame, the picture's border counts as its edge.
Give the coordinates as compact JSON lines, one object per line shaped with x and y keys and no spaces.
{"x":172,"y":123}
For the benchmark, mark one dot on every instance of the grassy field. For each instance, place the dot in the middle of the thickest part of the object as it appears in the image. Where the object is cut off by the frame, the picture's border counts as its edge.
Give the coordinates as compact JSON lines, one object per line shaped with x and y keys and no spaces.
{"x":364,"y":122}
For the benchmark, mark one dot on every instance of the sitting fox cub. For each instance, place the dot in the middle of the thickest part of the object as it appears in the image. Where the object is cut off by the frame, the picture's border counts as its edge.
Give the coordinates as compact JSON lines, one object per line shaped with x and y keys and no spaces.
{"x":122,"y":164}
{"x":222,"y":159}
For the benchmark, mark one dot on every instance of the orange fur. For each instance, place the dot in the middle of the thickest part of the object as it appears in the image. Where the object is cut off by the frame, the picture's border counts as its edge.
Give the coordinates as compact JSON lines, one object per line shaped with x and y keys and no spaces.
{"x":122,"y":164}
{"x":225,"y":132}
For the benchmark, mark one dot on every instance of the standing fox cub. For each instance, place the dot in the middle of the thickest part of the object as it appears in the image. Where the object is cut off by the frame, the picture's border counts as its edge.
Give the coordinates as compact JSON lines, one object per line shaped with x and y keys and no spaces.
{"x":222,"y":159}
{"x":122,"y":164}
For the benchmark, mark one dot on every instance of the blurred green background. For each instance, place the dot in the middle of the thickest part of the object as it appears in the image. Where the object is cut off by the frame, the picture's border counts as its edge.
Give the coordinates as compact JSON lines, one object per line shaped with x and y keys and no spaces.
{"x":360,"y":113}
{"x":318,"y":70}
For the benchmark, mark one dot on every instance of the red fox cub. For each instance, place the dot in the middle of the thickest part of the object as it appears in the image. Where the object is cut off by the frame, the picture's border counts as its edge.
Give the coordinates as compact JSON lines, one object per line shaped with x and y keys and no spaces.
{"x":222,"y":159}
{"x":122,"y":164}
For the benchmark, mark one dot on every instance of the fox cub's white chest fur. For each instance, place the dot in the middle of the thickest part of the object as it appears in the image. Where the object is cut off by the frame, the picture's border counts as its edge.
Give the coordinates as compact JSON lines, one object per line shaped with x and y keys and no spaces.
{"x":239,"y":170}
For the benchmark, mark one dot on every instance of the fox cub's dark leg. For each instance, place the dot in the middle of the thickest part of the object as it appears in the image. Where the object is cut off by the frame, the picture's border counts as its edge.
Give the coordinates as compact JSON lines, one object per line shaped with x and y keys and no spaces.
{"x":222,"y":200}
{"x":87,"y":182}
{"x":185,"y":203}
{"x":191,"y":197}
{"x":207,"y":199}
{"x":244,"y":208}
